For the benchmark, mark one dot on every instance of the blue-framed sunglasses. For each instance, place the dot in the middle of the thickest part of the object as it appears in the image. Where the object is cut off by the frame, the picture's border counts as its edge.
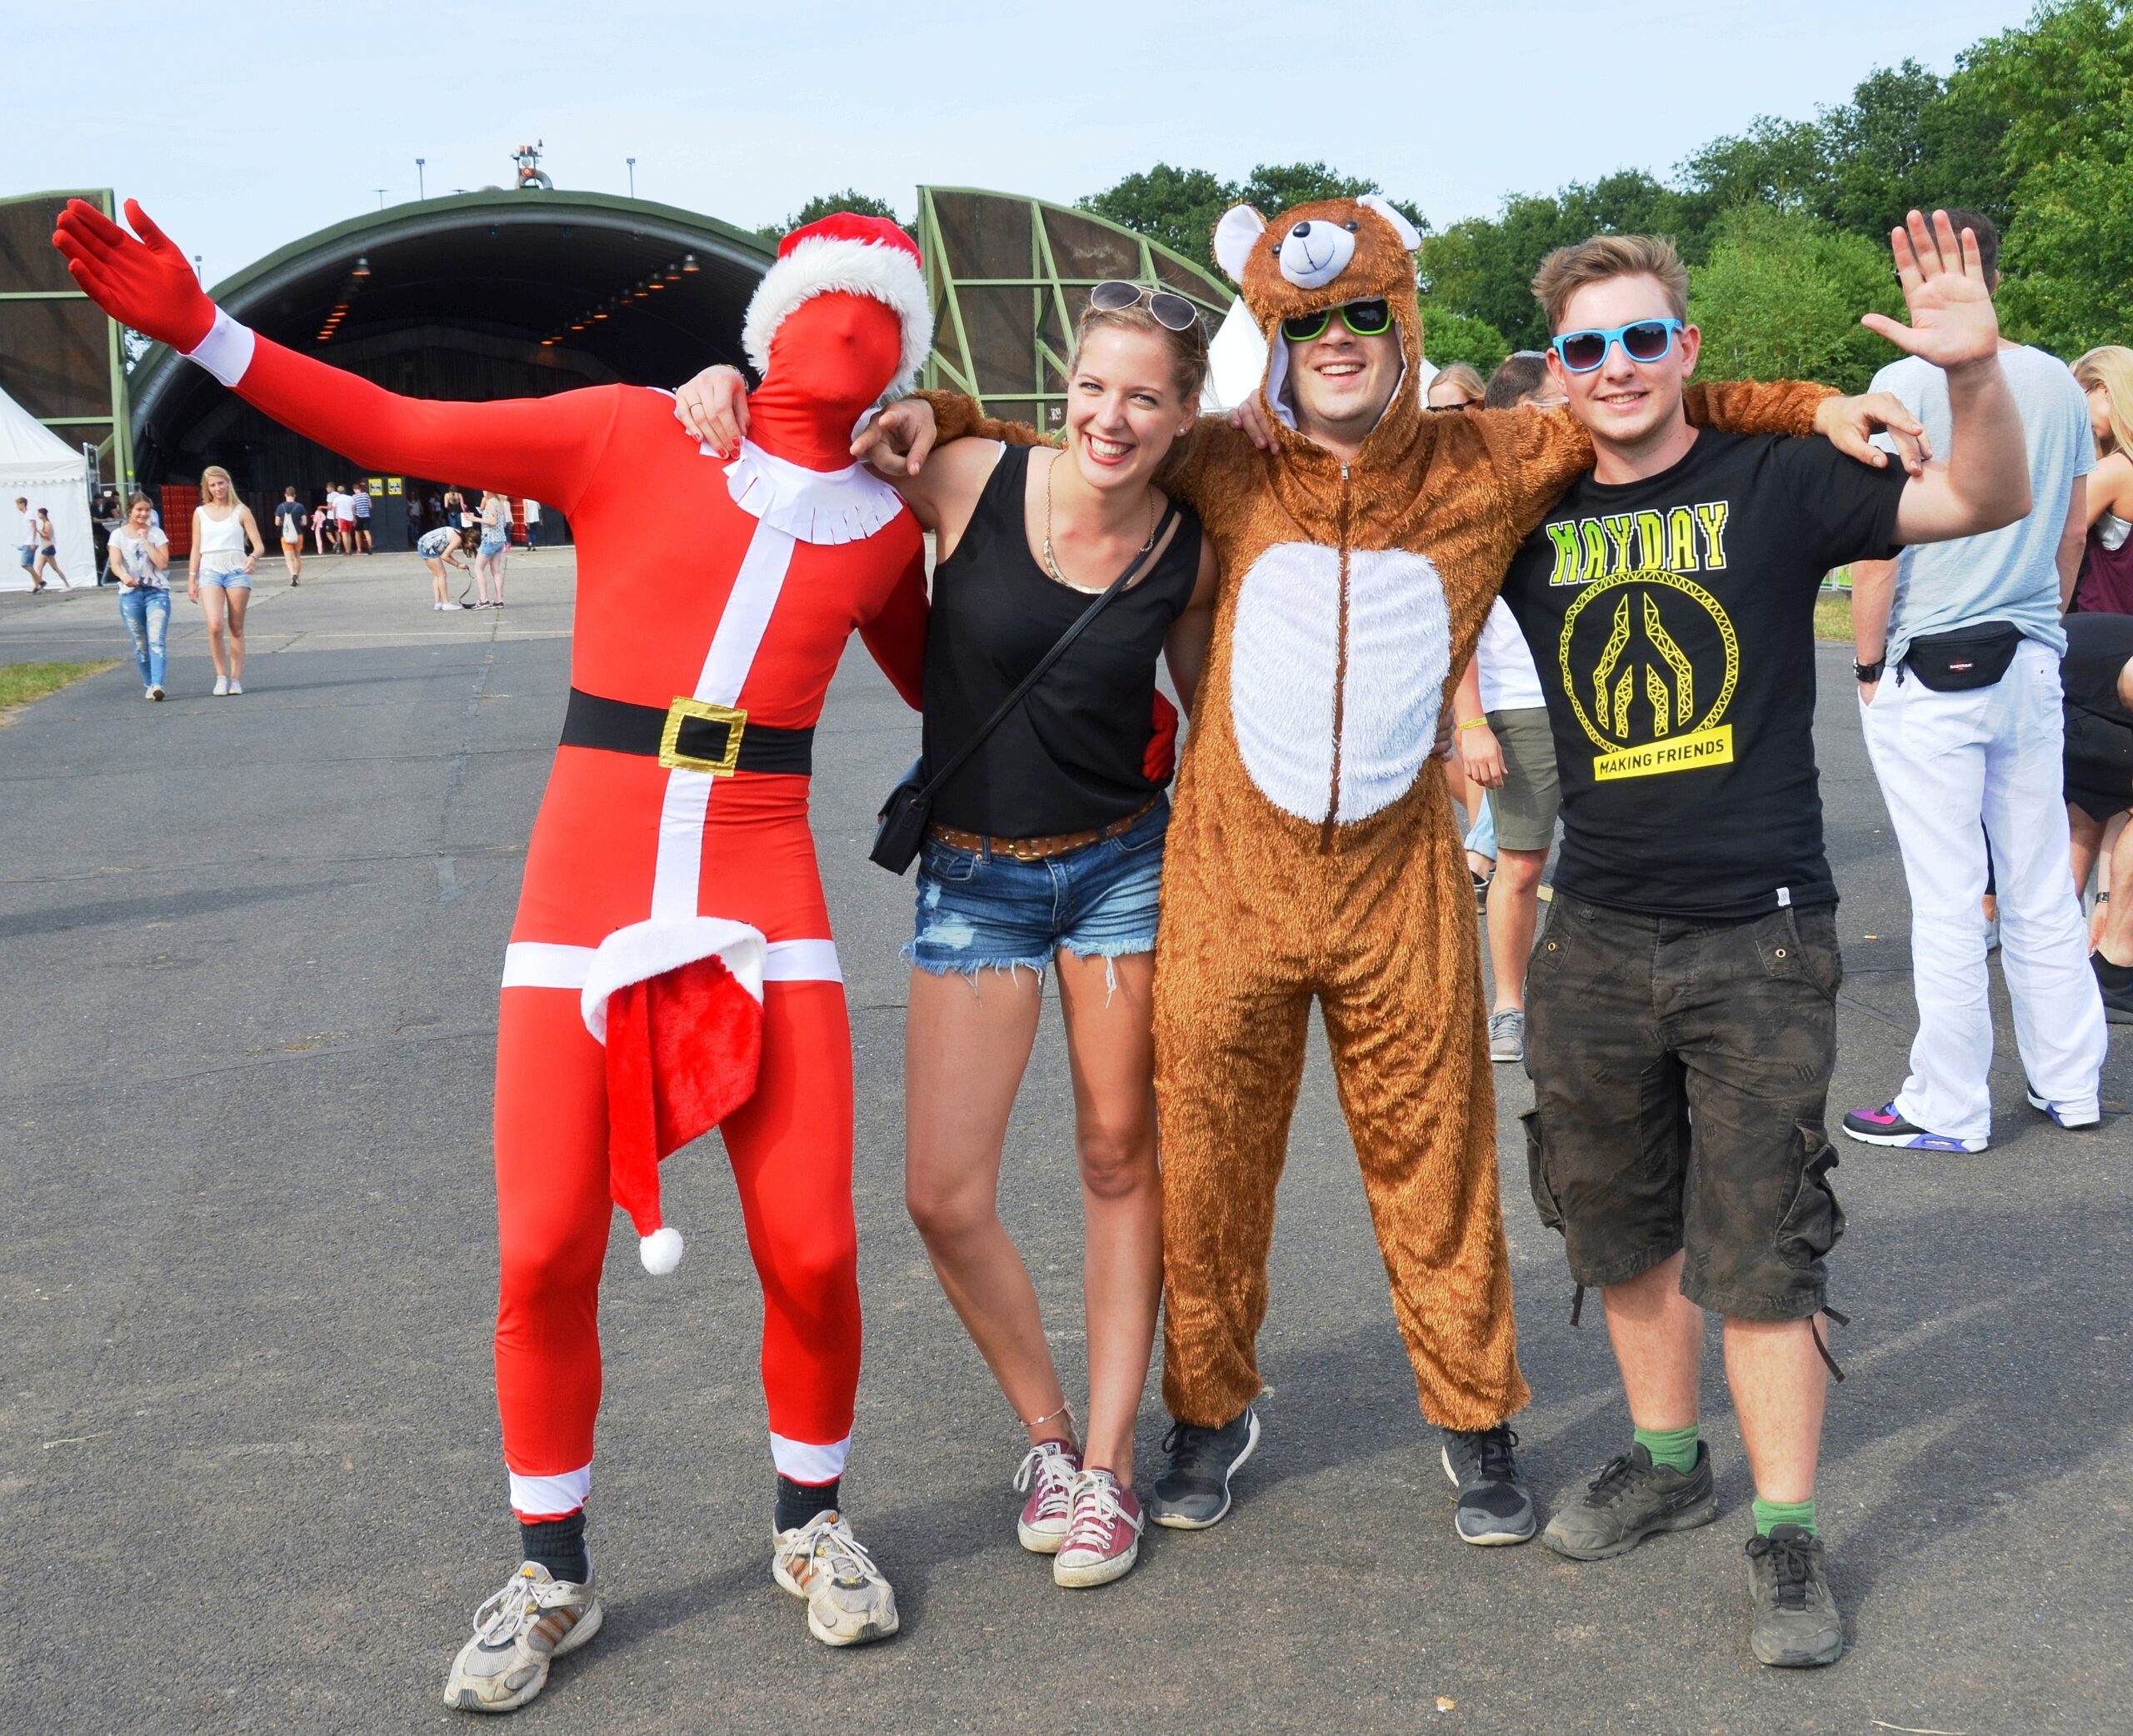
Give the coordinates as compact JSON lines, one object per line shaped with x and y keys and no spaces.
{"x":1642,"y":340}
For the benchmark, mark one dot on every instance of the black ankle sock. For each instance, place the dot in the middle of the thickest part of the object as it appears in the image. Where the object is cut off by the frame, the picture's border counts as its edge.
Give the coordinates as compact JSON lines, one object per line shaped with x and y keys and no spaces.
{"x":2113,"y":977}
{"x":558,"y":1544}
{"x":799,"y":1502}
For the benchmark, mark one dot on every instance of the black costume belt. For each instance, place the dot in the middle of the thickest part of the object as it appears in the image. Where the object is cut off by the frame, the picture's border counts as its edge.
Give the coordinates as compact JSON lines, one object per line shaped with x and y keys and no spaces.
{"x":690,"y":735}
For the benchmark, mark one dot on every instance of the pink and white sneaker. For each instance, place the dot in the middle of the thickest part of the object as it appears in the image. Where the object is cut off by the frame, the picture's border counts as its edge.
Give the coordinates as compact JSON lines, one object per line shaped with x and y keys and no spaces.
{"x":1047,"y":1471}
{"x":1103,"y":1533}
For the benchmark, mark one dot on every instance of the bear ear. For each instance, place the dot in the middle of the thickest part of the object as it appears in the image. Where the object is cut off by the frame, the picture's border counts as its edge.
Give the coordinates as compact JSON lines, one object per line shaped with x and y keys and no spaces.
{"x":1410,"y":236}
{"x":1235,"y":237}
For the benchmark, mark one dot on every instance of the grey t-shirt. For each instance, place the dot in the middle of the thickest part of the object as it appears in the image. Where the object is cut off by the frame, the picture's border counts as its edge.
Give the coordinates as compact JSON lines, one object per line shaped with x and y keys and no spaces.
{"x":2011,"y":574}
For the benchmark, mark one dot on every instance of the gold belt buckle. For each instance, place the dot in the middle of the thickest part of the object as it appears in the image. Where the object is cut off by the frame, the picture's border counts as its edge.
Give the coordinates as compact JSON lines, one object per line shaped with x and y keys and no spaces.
{"x":670,"y":752}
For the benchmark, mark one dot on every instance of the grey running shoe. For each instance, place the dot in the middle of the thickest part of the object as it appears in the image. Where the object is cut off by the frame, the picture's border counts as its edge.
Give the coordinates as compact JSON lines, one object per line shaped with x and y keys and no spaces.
{"x":1507,"y":1035}
{"x":1794,"y":1611}
{"x":1494,"y":1507}
{"x":1630,"y":1499}
{"x":1193,"y":1492}
{"x":517,"y":1633}
{"x":848,"y":1601}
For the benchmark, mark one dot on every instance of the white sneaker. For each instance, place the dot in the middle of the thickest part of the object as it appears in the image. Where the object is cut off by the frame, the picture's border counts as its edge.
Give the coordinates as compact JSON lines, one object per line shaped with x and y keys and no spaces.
{"x":1046,"y":1475}
{"x":848,"y":1601}
{"x":236,"y":688}
{"x":517,"y":1633}
{"x":221,"y":685}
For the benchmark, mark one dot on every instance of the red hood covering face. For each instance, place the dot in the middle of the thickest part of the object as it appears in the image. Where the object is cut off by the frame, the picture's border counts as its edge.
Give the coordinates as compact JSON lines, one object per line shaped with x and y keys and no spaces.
{"x":830,"y":360}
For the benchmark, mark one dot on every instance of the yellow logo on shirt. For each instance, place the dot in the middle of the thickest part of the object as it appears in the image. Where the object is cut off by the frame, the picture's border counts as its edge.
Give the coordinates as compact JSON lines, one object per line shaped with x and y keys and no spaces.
{"x":1650,"y":662}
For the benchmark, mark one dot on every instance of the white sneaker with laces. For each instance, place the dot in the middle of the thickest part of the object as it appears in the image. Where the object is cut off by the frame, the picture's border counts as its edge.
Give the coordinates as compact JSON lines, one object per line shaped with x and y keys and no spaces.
{"x":1047,"y":1475}
{"x":535,"y":1619}
{"x":1104,"y":1539}
{"x":848,"y":1601}
{"x":221,"y":685}
{"x":235,"y":687}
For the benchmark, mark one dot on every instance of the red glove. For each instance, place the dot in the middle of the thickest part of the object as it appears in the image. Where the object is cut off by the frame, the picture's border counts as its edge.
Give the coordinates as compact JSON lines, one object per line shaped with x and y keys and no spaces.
{"x":147,"y":284}
{"x":1161,"y":760}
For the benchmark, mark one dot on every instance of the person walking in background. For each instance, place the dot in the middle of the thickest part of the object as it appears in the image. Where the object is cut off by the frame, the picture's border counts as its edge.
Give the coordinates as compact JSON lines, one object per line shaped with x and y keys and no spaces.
{"x":440,"y":549}
{"x":1455,"y":387}
{"x":533,"y":525}
{"x":140,"y":561}
{"x":26,"y":540}
{"x":289,"y":516}
{"x":2105,"y":582}
{"x":320,"y":517}
{"x":1958,"y":646}
{"x":1500,"y":715}
{"x":47,"y":552}
{"x":219,"y":574}
{"x":344,"y":518}
{"x":359,"y":503}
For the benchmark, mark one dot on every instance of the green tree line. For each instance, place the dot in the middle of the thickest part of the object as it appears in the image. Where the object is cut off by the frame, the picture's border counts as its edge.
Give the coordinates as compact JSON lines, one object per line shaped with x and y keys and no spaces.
{"x":1784,"y":225}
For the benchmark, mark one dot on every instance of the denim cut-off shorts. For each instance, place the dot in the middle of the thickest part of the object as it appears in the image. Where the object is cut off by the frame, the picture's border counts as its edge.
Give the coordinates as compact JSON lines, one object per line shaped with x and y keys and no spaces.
{"x":980,"y":911}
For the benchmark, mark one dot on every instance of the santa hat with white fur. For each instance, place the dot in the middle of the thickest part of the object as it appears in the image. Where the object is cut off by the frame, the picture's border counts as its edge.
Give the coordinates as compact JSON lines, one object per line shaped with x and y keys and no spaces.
{"x":855,"y":255}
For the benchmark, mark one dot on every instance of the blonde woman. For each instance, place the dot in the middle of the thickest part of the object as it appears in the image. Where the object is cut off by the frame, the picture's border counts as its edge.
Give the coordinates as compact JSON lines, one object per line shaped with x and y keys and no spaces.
{"x":489,"y":553}
{"x":1456,"y":386}
{"x":226,"y":542}
{"x":2105,"y":584}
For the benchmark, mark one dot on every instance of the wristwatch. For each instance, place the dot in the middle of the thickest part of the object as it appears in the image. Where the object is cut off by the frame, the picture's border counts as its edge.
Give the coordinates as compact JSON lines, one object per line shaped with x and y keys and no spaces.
{"x":1868,"y":671}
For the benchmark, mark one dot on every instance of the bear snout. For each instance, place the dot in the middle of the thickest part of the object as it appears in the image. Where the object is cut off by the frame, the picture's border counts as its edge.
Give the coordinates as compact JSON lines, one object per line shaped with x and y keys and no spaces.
{"x":1313,"y":254}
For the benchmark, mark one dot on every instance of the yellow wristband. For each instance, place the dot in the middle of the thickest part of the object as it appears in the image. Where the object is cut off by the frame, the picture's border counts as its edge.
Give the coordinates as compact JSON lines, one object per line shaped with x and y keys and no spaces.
{"x":1475,"y":723}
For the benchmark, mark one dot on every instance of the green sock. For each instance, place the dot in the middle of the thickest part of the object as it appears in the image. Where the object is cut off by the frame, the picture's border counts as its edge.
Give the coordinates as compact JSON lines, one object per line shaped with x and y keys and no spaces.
{"x":1784,"y":1512}
{"x":1674,"y":1448}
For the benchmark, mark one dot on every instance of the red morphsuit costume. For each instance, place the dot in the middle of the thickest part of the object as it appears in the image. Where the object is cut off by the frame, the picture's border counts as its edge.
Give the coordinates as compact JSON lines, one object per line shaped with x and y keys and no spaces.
{"x":670,"y":967}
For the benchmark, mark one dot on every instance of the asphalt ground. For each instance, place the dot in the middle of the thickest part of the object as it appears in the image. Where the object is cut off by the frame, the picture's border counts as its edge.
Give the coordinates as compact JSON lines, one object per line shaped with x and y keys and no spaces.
{"x":249,"y":1470}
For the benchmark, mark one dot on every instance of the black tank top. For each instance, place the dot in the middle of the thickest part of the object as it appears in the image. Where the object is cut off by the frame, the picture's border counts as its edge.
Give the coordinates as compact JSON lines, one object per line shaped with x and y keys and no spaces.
{"x":1069,"y":757}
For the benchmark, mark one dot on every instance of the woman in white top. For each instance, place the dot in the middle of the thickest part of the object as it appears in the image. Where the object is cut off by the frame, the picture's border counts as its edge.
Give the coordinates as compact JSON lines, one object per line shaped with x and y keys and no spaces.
{"x":47,"y":551}
{"x":140,"y":561}
{"x":219,"y":575}
{"x":489,"y":555}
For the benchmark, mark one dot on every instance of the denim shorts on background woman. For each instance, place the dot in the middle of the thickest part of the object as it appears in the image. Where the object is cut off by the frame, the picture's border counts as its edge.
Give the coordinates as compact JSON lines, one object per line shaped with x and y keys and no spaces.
{"x":978,"y":912}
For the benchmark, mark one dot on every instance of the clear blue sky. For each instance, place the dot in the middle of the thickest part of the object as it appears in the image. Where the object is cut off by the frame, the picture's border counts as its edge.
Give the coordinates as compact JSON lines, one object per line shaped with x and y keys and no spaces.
{"x":240,"y":129}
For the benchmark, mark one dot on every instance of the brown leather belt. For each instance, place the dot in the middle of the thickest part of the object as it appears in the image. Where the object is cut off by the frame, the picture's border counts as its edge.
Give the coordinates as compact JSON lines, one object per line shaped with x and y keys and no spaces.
{"x":1034,"y":850}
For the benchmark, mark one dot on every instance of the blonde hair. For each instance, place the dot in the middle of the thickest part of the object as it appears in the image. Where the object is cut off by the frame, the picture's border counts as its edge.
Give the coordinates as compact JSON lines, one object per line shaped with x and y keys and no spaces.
{"x":1188,"y":349}
{"x":2111,"y":366}
{"x":1462,"y":374}
{"x":1600,"y":260}
{"x":208,"y":475}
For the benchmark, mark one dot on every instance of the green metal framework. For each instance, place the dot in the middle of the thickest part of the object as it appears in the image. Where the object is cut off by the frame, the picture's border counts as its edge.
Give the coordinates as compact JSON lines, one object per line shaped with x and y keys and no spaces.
{"x":117,"y":445}
{"x":1009,"y":275}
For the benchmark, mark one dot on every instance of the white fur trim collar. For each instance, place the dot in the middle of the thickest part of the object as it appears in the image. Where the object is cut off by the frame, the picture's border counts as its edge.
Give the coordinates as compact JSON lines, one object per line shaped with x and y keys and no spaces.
{"x":811,"y":506}
{"x":645,"y":949}
{"x":823,"y":265}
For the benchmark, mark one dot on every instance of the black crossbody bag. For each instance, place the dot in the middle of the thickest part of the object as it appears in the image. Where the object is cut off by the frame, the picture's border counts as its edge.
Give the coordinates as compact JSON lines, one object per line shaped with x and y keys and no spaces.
{"x":905,"y":815}
{"x":1968,"y":657}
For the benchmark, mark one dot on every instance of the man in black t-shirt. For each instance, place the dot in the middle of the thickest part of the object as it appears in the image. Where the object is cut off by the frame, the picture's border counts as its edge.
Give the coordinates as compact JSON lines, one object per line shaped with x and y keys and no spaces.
{"x":1681,"y":1022}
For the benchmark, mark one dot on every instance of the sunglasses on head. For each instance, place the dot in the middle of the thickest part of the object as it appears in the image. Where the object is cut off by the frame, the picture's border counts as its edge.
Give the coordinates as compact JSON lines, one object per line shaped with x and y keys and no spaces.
{"x":1173,"y":313}
{"x":1367,"y":319}
{"x":1643,"y":340}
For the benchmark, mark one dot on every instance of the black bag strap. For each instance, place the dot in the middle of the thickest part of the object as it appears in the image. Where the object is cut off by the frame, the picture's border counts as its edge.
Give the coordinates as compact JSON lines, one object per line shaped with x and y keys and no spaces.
{"x":1058,"y":649}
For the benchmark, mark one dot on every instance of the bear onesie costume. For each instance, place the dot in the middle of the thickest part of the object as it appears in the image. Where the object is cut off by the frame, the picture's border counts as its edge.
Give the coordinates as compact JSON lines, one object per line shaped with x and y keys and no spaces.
{"x":1310,"y":855}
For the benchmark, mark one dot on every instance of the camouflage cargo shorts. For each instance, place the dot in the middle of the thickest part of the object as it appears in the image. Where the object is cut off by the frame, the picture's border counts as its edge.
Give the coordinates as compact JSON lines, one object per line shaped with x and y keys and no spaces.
{"x":1681,"y":1071}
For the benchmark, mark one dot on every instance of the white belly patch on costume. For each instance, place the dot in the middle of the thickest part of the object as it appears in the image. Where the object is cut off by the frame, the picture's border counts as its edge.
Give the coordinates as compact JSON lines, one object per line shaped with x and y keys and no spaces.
{"x":1285,"y":651}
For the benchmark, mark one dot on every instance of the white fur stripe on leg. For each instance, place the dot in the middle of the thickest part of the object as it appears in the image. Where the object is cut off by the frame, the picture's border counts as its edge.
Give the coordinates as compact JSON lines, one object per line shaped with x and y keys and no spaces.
{"x":804,"y":1462}
{"x":543,"y":964}
{"x":539,"y":1498}
{"x":801,"y":962}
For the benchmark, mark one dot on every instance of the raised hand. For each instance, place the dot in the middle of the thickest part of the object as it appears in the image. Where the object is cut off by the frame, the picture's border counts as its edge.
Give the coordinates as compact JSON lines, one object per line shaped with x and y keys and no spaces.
{"x":147,"y":284}
{"x":1952,"y":321}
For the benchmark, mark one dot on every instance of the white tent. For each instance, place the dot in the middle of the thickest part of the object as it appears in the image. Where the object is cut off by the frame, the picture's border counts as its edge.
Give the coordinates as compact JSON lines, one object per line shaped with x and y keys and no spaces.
{"x":36,"y":464}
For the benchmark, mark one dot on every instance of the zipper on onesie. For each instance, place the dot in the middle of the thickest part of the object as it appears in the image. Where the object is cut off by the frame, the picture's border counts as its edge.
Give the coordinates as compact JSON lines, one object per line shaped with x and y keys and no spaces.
{"x":1340,"y":679}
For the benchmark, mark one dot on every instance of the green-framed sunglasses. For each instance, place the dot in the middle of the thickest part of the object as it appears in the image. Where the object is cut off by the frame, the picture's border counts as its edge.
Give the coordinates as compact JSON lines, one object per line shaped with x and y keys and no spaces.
{"x":1367,"y":319}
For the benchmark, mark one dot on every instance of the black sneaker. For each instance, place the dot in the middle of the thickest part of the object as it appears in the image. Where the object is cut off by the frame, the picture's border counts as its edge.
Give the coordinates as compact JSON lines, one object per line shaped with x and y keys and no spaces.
{"x":2113,"y":980}
{"x":1796,"y":1625}
{"x":1193,"y":1491}
{"x":1494,"y":1507}
{"x":1630,"y":1499}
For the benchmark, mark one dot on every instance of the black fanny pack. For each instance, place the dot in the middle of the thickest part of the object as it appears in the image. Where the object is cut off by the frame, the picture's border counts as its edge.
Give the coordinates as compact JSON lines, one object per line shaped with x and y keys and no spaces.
{"x":1972,"y":657}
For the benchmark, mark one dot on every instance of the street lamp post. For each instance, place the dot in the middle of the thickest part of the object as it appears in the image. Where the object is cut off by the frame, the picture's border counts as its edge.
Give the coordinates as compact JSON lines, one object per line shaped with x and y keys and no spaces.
{"x":381,"y":192}
{"x":631,"y":161}
{"x":420,"y":192}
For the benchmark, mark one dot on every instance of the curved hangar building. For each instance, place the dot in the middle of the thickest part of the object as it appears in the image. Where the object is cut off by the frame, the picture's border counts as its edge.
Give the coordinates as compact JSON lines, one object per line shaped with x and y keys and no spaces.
{"x":522,"y":292}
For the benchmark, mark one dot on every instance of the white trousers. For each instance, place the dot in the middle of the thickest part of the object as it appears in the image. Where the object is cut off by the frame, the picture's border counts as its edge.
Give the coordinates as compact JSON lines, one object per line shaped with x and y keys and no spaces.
{"x":1956,"y":768}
